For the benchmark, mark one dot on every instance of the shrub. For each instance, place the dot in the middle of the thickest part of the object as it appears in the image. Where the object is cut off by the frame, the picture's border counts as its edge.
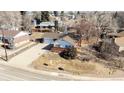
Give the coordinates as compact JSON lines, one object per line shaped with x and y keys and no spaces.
{"x":70,"y":53}
{"x":119,"y":64}
{"x":106,"y":48}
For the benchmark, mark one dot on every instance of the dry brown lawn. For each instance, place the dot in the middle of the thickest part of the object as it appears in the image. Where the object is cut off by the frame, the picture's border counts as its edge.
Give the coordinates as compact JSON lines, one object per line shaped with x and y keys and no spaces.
{"x":53,"y":61}
{"x":36,"y":35}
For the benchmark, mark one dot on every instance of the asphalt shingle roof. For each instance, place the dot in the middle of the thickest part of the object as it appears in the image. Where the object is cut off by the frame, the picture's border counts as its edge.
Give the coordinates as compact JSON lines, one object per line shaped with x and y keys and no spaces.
{"x":51,"y":35}
{"x":9,"y":33}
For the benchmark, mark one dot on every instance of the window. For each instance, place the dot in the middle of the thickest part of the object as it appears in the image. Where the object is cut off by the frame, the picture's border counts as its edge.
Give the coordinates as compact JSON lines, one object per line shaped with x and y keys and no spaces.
{"x":67,"y":46}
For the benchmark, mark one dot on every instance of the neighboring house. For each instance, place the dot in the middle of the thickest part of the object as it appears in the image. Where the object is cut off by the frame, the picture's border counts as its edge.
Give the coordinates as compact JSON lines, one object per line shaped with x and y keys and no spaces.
{"x":120,"y":34}
{"x":120,"y":42}
{"x":119,"y":39}
{"x":14,"y":38}
{"x":47,"y":24}
{"x":71,"y":17}
{"x":44,"y":27}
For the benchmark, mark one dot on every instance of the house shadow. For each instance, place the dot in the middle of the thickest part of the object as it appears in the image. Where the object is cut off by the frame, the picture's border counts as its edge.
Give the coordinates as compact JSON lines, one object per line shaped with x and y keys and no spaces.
{"x":48,"y":47}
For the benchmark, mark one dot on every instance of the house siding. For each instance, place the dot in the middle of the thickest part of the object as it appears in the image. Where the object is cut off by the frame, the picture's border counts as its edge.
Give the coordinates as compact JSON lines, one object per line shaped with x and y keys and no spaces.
{"x":21,"y":39}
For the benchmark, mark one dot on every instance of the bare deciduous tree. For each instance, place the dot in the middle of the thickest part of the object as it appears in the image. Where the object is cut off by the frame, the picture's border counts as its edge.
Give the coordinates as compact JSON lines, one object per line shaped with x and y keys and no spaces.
{"x":119,"y":16}
{"x":86,"y":29}
{"x":27,"y":18}
{"x":95,"y":23}
{"x":10,"y":20}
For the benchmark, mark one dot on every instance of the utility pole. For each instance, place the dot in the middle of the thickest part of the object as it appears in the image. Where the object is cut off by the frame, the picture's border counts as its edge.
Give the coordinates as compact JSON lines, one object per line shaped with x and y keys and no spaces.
{"x":6,"y":56}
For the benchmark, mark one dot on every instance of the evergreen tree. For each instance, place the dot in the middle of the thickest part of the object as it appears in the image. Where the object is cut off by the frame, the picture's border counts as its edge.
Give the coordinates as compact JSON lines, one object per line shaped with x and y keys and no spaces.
{"x":62,"y":13}
{"x":70,"y":53}
{"x":56,"y":13}
{"x":56,"y":25}
{"x":44,"y":16}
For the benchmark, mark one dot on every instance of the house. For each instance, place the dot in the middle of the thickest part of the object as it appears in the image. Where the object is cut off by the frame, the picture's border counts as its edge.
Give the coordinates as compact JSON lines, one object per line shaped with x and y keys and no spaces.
{"x":119,"y":34}
{"x":46,"y":26}
{"x":63,"y":43}
{"x":14,"y":38}
{"x":58,"y":41}
{"x":120,"y":42}
{"x":119,"y":39}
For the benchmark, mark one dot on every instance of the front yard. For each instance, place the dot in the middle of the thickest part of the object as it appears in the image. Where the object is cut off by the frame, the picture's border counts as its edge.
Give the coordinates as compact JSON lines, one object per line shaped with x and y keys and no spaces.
{"x":53,"y":62}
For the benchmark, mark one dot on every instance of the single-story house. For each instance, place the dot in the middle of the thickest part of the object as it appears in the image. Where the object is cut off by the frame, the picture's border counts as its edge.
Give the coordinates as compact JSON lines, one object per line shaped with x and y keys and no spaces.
{"x":63,"y":43}
{"x":14,"y":38}
{"x":58,"y":41}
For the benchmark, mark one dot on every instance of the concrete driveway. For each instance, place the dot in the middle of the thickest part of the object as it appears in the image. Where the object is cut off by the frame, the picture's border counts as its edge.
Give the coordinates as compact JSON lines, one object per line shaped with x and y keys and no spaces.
{"x":25,"y":59}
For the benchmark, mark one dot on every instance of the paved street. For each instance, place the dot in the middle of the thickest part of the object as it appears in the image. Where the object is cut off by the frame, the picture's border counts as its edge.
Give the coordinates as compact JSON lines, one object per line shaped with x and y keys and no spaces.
{"x":9,"y":73}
